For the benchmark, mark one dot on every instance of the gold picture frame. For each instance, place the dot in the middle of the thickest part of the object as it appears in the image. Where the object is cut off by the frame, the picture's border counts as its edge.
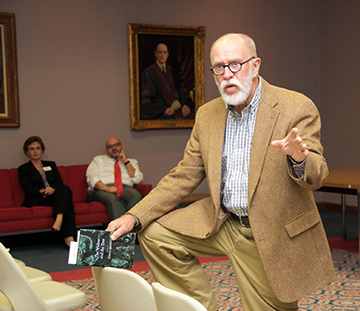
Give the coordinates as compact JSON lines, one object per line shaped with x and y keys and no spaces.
{"x":9,"y":94}
{"x":185,"y":46}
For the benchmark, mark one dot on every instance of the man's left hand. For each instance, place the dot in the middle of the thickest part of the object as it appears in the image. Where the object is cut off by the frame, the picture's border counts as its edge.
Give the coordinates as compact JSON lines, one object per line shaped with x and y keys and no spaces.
{"x":121,"y":225}
{"x":122,"y":155}
{"x":185,"y":111}
{"x":292,"y":145}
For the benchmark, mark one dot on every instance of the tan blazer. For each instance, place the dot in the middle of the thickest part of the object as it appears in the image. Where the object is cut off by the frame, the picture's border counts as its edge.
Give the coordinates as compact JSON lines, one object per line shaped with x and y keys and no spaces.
{"x":284,"y":218}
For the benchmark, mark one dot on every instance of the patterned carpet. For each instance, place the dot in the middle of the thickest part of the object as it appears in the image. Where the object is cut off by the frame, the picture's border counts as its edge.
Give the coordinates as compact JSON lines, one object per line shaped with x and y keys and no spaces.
{"x":343,"y":294}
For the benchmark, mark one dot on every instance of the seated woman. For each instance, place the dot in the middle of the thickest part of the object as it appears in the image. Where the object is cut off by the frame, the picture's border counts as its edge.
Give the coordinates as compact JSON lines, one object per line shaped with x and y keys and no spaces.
{"x":43,"y":186}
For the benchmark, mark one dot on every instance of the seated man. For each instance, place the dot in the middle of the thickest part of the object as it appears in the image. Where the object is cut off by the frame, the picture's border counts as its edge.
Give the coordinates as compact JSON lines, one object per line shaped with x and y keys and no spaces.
{"x":162,"y":95}
{"x":111,"y":177}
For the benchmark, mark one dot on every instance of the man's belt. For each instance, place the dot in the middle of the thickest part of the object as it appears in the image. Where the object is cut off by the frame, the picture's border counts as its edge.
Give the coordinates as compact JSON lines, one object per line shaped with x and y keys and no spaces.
{"x":244,"y":220}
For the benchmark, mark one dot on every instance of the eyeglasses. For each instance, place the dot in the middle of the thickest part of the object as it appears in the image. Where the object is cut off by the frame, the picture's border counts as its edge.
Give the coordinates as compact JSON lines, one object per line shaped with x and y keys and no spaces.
{"x":234,"y":67}
{"x":113,"y":146}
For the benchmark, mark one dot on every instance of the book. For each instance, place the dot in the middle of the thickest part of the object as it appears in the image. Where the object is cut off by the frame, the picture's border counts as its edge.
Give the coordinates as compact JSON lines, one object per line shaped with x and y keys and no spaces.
{"x":95,"y":248}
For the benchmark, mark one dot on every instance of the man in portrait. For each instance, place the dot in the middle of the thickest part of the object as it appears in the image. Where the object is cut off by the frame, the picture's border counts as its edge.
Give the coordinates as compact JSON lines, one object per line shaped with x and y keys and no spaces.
{"x":162,"y":96}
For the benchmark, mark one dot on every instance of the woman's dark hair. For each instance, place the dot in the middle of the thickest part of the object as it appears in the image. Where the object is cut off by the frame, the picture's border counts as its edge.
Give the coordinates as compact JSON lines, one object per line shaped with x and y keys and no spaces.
{"x":31,"y":140}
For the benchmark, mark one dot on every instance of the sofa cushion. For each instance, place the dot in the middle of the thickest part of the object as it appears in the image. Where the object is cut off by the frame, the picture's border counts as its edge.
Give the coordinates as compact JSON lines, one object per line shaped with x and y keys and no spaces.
{"x":15,"y":213}
{"x":97,"y":207}
{"x":5,"y":189}
{"x":41,"y":212}
{"x":92,"y":218}
{"x":82,"y":208}
{"x":64,"y":174}
{"x":144,"y":189}
{"x":77,"y":182}
{"x":93,"y":213}
{"x":18,"y":192}
{"x":26,"y":225}
{"x":87,"y":208}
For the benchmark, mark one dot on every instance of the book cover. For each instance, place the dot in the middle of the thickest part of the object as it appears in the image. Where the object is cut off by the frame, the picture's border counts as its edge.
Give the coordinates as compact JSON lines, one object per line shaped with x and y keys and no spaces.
{"x":95,"y":248}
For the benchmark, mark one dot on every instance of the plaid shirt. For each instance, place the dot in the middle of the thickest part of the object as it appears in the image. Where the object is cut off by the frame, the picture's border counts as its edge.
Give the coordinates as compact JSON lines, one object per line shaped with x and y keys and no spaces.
{"x":236,"y":155}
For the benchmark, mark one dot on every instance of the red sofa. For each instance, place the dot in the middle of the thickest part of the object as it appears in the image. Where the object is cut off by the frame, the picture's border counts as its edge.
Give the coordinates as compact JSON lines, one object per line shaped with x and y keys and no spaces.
{"x":14,"y":218}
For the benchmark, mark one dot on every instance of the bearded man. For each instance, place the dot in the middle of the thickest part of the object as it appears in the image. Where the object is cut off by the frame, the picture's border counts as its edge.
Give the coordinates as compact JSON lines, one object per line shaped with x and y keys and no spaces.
{"x":259,"y":148}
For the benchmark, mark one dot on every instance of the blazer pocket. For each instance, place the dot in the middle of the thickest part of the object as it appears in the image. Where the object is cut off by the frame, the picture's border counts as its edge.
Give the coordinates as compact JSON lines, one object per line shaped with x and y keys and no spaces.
{"x":302,"y":223}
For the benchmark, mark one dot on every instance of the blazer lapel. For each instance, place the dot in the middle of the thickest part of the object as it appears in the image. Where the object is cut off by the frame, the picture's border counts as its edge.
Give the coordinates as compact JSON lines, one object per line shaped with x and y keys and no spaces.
{"x":265,"y":122}
{"x":34,"y":172}
{"x":264,"y":126}
{"x":217,"y":126}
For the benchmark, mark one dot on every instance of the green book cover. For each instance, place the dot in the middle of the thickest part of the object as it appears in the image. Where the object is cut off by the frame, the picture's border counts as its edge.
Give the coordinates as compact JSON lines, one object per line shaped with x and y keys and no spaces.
{"x":95,"y":248}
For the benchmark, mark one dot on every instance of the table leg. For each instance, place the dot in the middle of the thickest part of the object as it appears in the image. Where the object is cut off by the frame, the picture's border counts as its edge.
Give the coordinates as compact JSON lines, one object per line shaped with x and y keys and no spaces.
{"x":343,"y":215}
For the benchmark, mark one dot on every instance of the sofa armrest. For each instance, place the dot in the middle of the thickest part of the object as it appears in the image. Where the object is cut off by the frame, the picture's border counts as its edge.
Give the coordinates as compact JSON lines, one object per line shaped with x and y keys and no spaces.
{"x":144,"y":189}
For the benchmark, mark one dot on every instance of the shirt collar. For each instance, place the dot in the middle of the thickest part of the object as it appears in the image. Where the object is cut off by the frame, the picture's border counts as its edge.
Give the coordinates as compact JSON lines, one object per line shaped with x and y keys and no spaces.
{"x":111,"y":158}
{"x":161,"y":66}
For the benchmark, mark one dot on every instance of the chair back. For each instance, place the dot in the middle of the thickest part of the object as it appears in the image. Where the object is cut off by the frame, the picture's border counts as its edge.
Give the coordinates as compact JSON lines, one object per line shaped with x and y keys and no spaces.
{"x":170,"y":300}
{"x":122,"y":290}
{"x":16,"y":287}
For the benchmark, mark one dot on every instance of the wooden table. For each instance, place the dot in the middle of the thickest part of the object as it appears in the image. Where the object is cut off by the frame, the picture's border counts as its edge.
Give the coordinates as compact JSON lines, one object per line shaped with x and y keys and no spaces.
{"x":344,"y":180}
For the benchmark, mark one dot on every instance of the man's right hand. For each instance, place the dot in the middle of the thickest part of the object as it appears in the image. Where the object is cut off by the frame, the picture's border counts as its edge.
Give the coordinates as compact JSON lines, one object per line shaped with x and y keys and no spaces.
{"x":169,"y":111}
{"x":121,"y":226}
{"x":101,"y":186}
{"x":112,"y":189}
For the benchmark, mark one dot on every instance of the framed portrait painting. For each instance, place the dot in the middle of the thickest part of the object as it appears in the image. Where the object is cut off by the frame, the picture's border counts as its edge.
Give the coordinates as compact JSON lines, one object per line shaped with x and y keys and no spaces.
{"x":9,"y":98}
{"x":166,"y":75}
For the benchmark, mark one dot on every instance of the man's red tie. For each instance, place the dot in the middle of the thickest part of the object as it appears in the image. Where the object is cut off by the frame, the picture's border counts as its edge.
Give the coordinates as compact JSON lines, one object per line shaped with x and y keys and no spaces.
{"x":118,"y":181}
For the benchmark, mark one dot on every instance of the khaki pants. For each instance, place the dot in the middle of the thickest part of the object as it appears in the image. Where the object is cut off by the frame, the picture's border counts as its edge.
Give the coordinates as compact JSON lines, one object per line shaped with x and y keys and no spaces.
{"x":171,"y":257}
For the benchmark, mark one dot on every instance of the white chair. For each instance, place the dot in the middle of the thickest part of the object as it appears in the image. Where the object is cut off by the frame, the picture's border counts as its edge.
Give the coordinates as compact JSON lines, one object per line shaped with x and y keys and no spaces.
{"x":19,"y":262}
{"x":122,"y":290}
{"x":35,"y":275}
{"x":18,"y":293}
{"x":170,"y":300}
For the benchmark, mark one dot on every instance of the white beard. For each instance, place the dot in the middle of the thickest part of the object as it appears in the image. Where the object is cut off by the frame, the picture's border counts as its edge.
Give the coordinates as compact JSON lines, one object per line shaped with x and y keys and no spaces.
{"x":244,"y":90}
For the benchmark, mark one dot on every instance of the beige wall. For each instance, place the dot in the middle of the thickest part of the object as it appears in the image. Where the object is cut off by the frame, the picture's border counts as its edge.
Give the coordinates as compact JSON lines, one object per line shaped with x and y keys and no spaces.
{"x":340,"y":81}
{"x":339,"y":84}
{"x":73,"y":71}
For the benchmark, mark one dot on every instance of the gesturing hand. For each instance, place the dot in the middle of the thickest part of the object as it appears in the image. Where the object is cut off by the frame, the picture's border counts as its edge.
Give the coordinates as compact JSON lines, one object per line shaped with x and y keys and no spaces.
{"x":122,"y":155}
{"x":292,"y":145}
